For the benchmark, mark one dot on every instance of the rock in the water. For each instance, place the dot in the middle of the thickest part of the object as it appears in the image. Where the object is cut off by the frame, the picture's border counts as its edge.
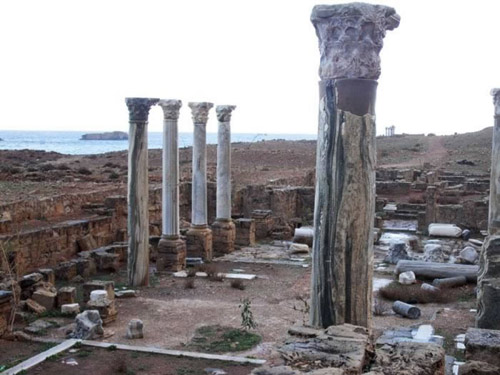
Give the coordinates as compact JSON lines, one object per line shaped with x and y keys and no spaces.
{"x":135,"y":327}
{"x":397,"y":252}
{"x":407,"y":278}
{"x":107,"y":136}
{"x":409,"y":358}
{"x":468,"y":255}
{"x":88,"y":326}
{"x":70,"y":309}
{"x":434,"y":253}
{"x":478,"y":368}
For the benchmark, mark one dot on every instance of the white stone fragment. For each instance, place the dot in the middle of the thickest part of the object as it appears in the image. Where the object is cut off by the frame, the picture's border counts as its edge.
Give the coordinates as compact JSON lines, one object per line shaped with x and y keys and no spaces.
{"x":98,"y":295}
{"x":407,"y":278}
{"x":70,"y":309}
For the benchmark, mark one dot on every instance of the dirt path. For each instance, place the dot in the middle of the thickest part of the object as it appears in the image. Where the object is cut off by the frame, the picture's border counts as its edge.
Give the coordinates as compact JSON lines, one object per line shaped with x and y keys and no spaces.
{"x":435,"y":155}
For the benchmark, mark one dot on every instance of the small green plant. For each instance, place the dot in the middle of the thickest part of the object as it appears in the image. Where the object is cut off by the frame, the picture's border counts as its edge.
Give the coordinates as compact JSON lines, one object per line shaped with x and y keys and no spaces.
{"x":112,"y":348}
{"x":247,"y":320}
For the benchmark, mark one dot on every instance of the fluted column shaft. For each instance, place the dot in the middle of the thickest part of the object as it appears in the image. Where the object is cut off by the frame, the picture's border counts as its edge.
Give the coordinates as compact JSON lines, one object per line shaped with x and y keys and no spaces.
{"x":224,"y":162}
{"x":138,"y":191}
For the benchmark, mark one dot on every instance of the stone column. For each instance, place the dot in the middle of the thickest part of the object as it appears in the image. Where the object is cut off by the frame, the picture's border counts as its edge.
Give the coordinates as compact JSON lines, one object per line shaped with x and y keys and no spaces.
{"x":489,"y":262}
{"x":199,"y":235}
{"x":138,"y":191}
{"x":350,"y":39}
{"x":171,"y":248}
{"x":224,"y":230}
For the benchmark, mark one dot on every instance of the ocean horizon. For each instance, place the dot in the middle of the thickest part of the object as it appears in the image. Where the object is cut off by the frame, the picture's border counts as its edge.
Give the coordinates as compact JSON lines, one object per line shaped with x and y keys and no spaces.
{"x":68,"y":142}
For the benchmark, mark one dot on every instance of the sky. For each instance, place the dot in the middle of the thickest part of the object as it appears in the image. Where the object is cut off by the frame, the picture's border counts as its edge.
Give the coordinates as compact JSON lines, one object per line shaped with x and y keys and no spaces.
{"x":69,"y":64}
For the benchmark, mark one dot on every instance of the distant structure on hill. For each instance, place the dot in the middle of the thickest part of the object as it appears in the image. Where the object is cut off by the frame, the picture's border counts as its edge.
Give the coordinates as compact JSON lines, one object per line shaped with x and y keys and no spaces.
{"x":109,"y":136}
{"x":390,"y":131}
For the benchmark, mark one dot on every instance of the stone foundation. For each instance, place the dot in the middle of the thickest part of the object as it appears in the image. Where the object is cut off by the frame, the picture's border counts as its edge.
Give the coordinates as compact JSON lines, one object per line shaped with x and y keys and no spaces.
{"x":199,"y":242}
{"x":224,"y":236}
{"x":245,"y":232}
{"x":263,"y":223}
{"x":171,"y":254}
{"x":5,"y":311}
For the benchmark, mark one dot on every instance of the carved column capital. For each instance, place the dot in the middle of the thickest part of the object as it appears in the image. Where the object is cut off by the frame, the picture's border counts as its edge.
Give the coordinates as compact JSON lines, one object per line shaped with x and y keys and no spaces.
{"x":138,"y":108}
{"x":199,"y":111}
{"x":351,"y":37}
{"x":224,"y":112}
{"x":171,"y":108}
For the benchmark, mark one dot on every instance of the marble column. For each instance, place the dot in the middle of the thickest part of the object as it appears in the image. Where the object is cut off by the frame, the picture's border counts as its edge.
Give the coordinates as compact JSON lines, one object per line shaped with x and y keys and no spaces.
{"x":199,"y":235}
{"x":224,"y":229}
{"x":350,"y":39}
{"x":488,"y":283}
{"x":171,"y":248}
{"x":138,"y":191}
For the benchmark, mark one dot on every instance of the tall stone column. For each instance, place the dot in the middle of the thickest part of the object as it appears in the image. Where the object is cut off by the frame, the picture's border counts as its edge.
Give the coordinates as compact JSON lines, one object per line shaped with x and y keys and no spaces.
{"x":488,"y":282}
{"x":171,"y":248}
{"x":138,"y":191}
{"x":224,"y":230}
{"x":350,"y":39}
{"x":199,"y":235}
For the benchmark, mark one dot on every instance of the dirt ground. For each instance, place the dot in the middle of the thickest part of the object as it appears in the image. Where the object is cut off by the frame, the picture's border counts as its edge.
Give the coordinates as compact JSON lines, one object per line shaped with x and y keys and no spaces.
{"x":104,"y":362}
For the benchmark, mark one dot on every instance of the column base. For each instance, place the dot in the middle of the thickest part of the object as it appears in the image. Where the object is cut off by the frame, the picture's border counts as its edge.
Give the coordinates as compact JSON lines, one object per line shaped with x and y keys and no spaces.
{"x":245,"y":232}
{"x":224,"y":235}
{"x":199,"y":242}
{"x":171,"y":254}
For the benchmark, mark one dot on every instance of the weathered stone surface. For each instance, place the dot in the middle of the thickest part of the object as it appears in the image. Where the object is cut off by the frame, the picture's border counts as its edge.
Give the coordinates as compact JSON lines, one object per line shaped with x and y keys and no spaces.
{"x":108,"y":286}
{"x":299,"y":248}
{"x":199,"y":242}
{"x":171,"y":254}
{"x":345,"y":346}
{"x":434,"y":253}
{"x":224,"y":235}
{"x":46,"y":298}
{"x":483,"y":345}
{"x":489,"y":285}
{"x":87,"y":242}
{"x":478,"y":368}
{"x":29,"y":280}
{"x":407,"y":278}
{"x":65,"y":271}
{"x":88,"y":326}
{"x":106,"y":309}
{"x":278,"y":370}
{"x":432,"y":270}
{"x":468,"y":255}
{"x":70,"y":309}
{"x":107,"y":262}
{"x":397,"y":251}
{"x":409,"y":358}
{"x":351,"y":37}
{"x":38,"y":327}
{"x":245,"y":232}
{"x":48,"y":275}
{"x":66,"y":295}
{"x":127,"y":293}
{"x":135,"y":329}
{"x":35,"y":306}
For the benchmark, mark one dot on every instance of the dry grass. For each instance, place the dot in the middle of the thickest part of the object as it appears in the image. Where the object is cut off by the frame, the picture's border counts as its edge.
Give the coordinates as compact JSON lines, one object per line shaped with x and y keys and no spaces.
{"x":414,"y":294}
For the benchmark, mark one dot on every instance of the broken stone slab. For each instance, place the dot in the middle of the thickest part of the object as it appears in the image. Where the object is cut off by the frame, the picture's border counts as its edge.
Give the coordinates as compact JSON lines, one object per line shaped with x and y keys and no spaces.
{"x":127,"y":293}
{"x":241,"y":276}
{"x":48,"y":275}
{"x":70,"y":309}
{"x":106,"y":261}
{"x":434,"y":253}
{"x":450,"y":282}
{"x":65,"y":271}
{"x":98,"y":295}
{"x":429,"y":288}
{"x":45,"y":298}
{"x":287,"y":370}
{"x":88,"y":326}
{"x":468,"y":255}
{"x":105,"y":307}
{"x":214,"y":371}
{"x":407,"y":278}
{"x":304,"y":235}
{"x":38,"y":327}
{"x":34,"y":306}
{"x":409,"y":358}
{"x":406,"y":310}
{"x":301,"y":331}
{"x":483,"y":345}
{"x":135,"y":329}
{"x":397,"y":251}
{"x":432,"y":270}
{"x":66,"y":295}
{"x":476,"y":242}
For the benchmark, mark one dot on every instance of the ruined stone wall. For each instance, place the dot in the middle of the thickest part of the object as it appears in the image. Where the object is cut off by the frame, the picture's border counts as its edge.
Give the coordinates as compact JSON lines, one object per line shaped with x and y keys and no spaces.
{"x":471,"y":214}
{"x":393,"y":187}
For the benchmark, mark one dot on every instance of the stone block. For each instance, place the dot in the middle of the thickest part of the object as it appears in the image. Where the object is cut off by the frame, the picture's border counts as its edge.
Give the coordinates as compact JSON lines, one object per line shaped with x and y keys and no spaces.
{"x":85,"y":267}
{"x":45,"y":298}
{"x":199,"y":243}
{"x":483,"y":345}
{"x":86,"y":243}
{"x":224,"y":235}
{"x":478,"y":368}
{"x":135,"y":329}
{"x":70,"y":309}
{"x":409,"y":358}
{"x":263,"y":223}
{"x":65,"y":271}
{"x":88,"y":326}
{"x":245,"y":232}
{"x":34,"y":306}
{"x":107,"y":262}
{"x":29,"y":280}
{"x":108,"y":286}
{"x":48,"y":275}
{"x":66,"y":296}
{"x":106,"y":309}
{"x":171,"y":254}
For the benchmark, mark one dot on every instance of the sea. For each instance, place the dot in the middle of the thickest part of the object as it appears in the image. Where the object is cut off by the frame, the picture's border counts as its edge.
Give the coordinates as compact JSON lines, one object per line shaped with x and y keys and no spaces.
{"x":68,"y":142}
